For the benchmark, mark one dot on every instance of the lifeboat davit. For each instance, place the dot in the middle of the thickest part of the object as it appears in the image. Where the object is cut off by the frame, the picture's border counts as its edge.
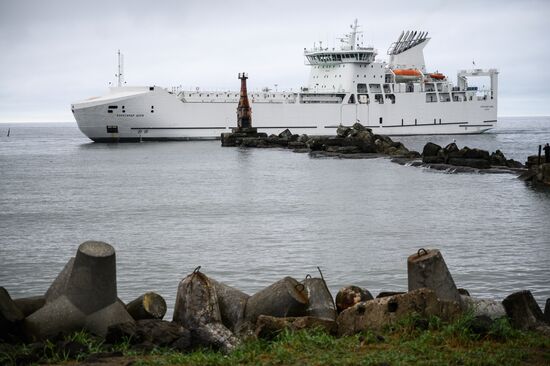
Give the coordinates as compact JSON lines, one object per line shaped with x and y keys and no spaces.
{"x":406,"y":75}
{"x":437,"y":76}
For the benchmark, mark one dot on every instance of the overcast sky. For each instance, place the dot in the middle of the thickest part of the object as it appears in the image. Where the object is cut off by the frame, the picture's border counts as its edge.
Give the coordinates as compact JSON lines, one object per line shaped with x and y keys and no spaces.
{"x":53,"y":53}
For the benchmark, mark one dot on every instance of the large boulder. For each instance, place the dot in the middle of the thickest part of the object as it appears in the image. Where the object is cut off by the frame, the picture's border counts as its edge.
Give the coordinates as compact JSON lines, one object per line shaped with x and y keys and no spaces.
{"x":430,"y":149}
{"x":286,"y":134}
{"x":322,"y":142}
{"x":359,"y":127}
{"x":451,"y":148}
{"x":343,"y":131}
{"x":476,"y":154}
{"x":83,"y":296}
{"x":381,"y":312}
{"x":349,"y":296}
{"x":511,"y":163}
{"x":472,"y":163}
{"x":498,"y":159}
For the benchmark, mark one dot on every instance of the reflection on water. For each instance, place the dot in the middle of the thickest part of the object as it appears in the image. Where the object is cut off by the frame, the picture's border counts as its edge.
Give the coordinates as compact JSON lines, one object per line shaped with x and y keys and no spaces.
{"x":250,"y":217}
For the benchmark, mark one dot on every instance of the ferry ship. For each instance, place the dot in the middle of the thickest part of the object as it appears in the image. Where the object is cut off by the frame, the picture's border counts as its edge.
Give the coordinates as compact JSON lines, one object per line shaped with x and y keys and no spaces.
{"x":347,"y":84}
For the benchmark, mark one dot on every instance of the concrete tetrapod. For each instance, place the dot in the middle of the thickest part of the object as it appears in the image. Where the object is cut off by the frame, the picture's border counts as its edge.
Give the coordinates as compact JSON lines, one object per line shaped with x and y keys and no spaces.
{"x":83,"y":296}
{"x":148,"y":306}
{"x":427,"y":269}
{"x":232,"y":303}
{"x":10,"y":317}
{"x":29,"y":305}
{"x":321,"y":304}
{"x":284,"y":298}
{"x":197,"y":308}
{"x":523,"y":310}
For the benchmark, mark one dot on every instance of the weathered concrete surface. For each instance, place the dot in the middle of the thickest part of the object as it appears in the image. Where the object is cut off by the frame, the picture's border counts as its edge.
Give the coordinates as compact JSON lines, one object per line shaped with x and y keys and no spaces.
{"x":284,"y":298}
{"x":379,"y":313}
{"x":99,"y":321}
{"x":267,"y":327}
{"x":196,"y":302}
{"x":214,"y":335}
{"x":92,"y":283}
{"x":484,"y":307}
{"x":11,"y":317}
{"x":147,"y":306}
{"x":29,"y":305}
{"x":232,"y":303}
{"x":59,"y":285}
{"x":83,"y":296}
{"x":197,"y":309}
{"x":151,"y":332}
{"x":523,"y":310}
{"x":57,"y":316}
{"x":349,"y":296}
{"x":427,"y":269}
{"x":321,"y":304}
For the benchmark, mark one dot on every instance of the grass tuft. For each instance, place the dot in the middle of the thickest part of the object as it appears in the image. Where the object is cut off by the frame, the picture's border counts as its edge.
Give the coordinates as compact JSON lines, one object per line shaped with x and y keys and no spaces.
{"x":413,"y":340}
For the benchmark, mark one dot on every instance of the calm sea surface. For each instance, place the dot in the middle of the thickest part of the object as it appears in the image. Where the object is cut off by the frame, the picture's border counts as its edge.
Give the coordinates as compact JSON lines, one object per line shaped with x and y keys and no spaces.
{"x":251,"y":217}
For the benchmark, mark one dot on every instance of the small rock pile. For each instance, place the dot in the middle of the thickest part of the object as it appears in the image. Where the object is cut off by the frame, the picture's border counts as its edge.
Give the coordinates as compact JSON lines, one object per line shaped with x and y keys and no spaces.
{"x":466,"y":157}
{"x":356,"y":141}
{"x":538,"y":171}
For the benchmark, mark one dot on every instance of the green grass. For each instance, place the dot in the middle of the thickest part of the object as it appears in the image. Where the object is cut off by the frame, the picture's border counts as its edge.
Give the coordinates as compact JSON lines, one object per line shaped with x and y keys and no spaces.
{"x":413,"y":341}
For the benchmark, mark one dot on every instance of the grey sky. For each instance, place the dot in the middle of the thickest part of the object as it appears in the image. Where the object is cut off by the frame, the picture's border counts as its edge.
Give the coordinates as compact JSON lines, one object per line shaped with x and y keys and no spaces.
{"x":55,"y":52}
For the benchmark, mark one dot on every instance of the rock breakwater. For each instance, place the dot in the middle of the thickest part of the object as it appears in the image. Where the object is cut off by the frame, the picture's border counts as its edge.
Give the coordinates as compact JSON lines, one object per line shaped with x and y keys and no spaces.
{"x":208,"y":313}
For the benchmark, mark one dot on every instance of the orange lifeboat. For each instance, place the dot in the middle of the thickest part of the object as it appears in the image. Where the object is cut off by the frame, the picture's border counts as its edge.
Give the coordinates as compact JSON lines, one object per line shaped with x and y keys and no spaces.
{"x":402,"y":75}
{"x":407,"y":72}
{"x":437,"y":76}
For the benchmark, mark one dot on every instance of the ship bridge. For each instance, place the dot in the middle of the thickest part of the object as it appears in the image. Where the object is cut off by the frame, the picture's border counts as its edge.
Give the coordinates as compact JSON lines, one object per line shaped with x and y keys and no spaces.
{"x":351,"y":51}
{"x":324,"y":56}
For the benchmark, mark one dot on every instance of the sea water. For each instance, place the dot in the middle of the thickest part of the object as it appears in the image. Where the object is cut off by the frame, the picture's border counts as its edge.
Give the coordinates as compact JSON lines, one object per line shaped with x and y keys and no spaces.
{"x":252,"y":216}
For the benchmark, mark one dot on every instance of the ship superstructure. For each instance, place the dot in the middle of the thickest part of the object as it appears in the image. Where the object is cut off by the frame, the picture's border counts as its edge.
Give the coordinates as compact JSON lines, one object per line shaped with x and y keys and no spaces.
{"x":347,"y":84}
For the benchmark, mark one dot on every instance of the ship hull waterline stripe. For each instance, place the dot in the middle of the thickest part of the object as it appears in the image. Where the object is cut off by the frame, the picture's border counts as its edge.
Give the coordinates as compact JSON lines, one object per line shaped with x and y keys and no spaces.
{"x":178,"y":128}
{"x":418,"y":124}
{"x":216,"y":128}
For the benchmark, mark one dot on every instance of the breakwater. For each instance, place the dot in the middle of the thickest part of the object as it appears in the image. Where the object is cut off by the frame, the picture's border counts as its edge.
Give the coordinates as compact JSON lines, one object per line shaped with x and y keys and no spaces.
{"x":359,"y":142}
{"x":212,"y":314}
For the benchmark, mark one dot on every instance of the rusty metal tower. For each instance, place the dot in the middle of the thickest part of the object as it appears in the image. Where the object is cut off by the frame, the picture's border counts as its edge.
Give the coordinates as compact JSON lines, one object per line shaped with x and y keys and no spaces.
{"x":244,"y":112}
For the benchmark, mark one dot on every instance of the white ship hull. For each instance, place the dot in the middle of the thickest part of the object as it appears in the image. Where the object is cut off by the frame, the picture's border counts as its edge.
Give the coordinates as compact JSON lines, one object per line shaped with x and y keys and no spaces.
{"x":173,"y":119}
{"x":346,"y":85}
